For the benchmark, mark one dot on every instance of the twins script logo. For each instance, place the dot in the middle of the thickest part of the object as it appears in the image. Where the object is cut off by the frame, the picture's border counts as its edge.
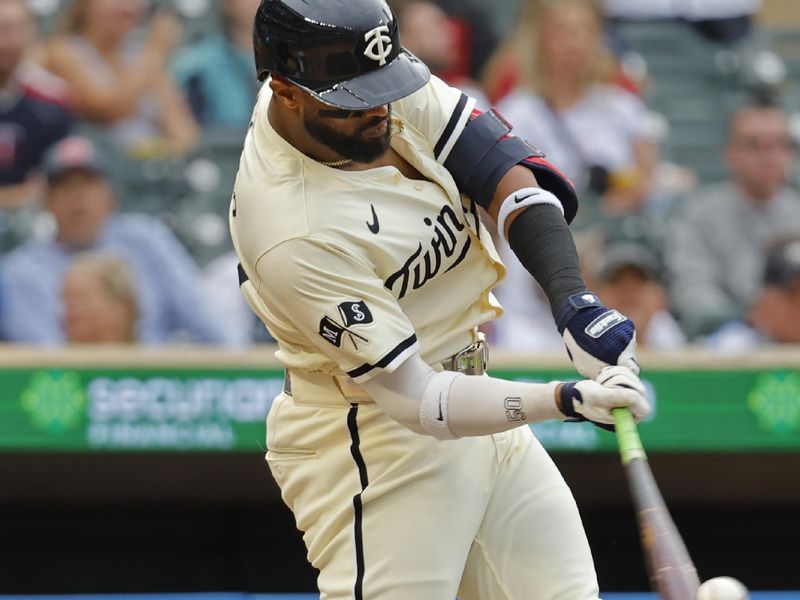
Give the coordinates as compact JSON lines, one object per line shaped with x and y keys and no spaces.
{"x":351,"y":314}
{"x":380,"y":44}
{"x":422,"y":267}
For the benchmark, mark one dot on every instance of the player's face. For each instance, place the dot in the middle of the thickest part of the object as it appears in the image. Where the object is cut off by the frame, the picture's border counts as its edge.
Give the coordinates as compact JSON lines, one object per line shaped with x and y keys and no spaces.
{"x":361,"y":136}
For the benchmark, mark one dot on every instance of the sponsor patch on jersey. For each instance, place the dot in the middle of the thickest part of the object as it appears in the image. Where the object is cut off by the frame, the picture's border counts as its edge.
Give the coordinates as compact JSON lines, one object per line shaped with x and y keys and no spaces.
{"x":351,"y":314}
{"x":603,"y":323}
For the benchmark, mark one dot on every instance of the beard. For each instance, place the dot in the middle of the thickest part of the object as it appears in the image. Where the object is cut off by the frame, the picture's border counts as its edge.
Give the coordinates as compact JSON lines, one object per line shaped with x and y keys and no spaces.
{"x":352,"y":146}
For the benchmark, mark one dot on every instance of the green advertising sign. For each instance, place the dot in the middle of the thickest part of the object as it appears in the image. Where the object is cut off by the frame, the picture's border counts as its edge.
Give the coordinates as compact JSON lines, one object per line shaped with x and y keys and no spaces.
{"x":130,"y":409}
{"x":172,"y":409}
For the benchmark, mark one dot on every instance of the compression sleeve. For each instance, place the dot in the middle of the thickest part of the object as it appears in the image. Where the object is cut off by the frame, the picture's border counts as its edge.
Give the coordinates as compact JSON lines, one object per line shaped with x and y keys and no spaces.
{"x":449,"y":405}
{"x":542,"y":241}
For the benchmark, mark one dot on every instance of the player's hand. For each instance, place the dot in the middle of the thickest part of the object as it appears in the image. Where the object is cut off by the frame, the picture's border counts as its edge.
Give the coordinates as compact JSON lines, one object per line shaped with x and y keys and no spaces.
{"x":593,"y":400}
{"x":596,"y":336}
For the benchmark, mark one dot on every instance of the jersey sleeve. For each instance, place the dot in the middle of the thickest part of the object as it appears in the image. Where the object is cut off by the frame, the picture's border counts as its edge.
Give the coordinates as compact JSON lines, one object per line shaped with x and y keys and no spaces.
{"x":336,"y":301}
{"x":440,"y":112}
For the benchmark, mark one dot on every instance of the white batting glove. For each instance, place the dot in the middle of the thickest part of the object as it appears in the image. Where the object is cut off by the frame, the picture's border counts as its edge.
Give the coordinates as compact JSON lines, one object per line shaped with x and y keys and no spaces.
{"x":593,"y":400}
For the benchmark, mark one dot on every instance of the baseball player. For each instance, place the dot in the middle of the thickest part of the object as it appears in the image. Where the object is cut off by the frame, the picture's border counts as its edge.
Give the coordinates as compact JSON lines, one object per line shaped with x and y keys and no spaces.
{"x":410,"y":472}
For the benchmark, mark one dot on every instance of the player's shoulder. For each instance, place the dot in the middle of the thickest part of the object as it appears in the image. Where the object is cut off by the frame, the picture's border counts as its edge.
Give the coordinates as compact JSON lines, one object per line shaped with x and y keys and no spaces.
{"x":266,"y":209}
{"x":299,"y":262}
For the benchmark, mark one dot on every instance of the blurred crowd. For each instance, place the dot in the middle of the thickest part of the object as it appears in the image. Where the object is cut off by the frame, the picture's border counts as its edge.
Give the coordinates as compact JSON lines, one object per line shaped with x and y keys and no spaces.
{"x":121,"y":122}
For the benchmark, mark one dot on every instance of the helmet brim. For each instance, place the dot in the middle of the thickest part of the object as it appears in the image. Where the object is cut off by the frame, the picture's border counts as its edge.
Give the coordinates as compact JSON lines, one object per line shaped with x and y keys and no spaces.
{"x":403,"y":76}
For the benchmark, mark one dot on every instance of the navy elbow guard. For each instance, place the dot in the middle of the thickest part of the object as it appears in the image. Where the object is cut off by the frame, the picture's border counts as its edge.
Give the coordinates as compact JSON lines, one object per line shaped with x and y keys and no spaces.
{"x":486,"y":151}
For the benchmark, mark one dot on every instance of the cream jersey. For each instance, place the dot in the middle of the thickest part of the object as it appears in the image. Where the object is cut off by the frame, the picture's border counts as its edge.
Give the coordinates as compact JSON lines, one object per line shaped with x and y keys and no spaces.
{"x":353,"y":271}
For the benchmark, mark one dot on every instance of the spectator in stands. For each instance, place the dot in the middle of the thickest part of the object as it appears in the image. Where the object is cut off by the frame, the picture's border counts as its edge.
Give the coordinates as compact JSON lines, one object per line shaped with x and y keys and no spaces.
{"x":99,"y":301}
{"x":629,"y":282}
{"x":3,"y":335}
{"x":428,"y":32}
{"x":216,"y":73}
{"x":596,"y":132}
{"x":80,"y":199}
{"x":33,"y":115}
{"x":774,"y":317}
{"x":716,"y":243}
{"x":125,"y":88}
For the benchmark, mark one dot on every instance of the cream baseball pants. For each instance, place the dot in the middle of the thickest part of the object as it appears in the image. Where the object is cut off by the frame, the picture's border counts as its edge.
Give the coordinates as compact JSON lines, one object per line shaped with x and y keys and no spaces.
{"x":388,"y":514}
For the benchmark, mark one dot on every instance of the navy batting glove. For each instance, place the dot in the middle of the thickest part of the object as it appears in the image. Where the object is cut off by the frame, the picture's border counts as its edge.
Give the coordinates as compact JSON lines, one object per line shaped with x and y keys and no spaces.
{"x":596,"y":336}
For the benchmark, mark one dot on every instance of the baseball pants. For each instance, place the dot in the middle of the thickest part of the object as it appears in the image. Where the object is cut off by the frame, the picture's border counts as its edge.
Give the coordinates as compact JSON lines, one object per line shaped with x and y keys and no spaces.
{"x":392,"y":515}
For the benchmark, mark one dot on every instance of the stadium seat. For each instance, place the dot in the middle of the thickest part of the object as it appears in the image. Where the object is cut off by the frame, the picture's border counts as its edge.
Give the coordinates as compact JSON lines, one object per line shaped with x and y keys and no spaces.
{"x":694,"y":84}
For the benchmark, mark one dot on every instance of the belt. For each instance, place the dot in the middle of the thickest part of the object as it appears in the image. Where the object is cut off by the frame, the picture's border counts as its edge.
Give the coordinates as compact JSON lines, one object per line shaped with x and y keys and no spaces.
{"x":472,"y":360}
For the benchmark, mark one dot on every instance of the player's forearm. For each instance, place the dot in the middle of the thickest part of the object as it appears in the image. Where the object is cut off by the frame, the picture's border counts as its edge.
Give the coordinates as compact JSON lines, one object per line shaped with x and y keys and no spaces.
{"x":539,"y":237}
{"x":448,"y":405}
{"x":486,"y":405}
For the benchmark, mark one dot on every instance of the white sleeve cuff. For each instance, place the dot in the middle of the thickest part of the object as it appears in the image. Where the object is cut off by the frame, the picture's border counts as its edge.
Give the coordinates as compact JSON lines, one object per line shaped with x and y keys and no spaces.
{"x":433,"y":409}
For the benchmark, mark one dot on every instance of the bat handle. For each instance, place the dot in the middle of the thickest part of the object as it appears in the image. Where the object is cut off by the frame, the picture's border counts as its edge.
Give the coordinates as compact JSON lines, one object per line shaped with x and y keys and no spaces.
{"x":630,"y":445}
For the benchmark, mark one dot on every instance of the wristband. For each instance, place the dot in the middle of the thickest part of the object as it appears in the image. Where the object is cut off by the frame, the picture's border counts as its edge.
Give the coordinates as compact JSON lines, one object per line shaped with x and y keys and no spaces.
{"x":522,"y":198}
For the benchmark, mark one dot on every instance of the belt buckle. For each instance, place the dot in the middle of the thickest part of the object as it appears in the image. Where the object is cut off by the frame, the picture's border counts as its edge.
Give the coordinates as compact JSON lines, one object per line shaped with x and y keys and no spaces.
{"x":472,"y":360}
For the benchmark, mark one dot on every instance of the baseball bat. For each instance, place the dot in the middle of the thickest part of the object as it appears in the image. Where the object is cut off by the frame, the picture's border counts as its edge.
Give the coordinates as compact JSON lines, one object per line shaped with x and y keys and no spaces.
{"x":672,"y":573}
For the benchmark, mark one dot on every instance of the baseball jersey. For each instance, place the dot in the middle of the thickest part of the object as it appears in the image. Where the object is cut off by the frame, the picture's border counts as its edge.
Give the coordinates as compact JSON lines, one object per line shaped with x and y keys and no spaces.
{"x":353,"y":271}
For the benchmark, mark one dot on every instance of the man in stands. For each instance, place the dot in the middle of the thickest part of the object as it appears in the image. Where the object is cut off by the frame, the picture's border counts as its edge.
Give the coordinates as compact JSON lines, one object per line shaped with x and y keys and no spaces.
{"x":80,"y":198}
{"x":716,"y":245}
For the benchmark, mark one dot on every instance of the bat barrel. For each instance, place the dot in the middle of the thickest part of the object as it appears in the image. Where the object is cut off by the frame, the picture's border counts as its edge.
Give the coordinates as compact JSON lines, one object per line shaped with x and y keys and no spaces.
{"x":669,"y":565}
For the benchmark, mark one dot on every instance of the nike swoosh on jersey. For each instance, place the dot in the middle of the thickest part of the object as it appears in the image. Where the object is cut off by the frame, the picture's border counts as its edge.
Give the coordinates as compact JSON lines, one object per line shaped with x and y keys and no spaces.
{"x":440,"y":417}
{"x":375,"y":226}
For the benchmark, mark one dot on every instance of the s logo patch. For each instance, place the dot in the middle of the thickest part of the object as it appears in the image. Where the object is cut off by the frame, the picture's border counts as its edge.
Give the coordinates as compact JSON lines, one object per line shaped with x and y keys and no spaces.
{"x":355,"y":313}
{"x":351,"y":314}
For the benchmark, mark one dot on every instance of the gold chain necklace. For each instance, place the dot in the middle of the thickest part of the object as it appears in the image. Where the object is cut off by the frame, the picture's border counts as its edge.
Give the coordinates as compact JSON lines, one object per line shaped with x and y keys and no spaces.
{"x":396,"y":127}
{"x":336,"y":163}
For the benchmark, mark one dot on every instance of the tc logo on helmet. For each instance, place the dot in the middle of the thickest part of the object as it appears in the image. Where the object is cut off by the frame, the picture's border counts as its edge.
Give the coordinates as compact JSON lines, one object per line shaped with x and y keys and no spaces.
{"x":380,"y":44}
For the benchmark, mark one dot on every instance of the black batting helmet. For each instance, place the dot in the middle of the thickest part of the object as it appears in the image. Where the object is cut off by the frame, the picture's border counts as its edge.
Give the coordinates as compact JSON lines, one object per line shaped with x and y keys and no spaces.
{"x":346,"y":53}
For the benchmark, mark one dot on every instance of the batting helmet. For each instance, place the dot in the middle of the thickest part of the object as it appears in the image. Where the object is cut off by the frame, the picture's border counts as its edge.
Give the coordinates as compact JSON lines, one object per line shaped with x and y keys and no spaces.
{"x":345,"y":53}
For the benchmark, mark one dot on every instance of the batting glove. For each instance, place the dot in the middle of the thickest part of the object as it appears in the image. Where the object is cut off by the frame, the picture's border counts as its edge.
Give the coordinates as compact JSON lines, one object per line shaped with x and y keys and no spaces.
{"x":591,"y":400}
{"x":596,"y":336}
